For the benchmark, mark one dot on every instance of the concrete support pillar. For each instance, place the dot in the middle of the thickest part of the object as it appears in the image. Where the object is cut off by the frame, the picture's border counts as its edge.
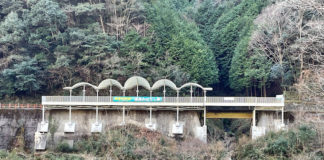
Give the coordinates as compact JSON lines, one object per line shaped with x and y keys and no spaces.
{"x":150,"y":116}
{"x":177,"y":107}
{"x":177,"y":114}
{"x":205,"y":98}
{"x":123,"y":116}
{"x":282,"y":116}
{"x":43,"y":126}
{"x":70,"y":127}
{"x":96,"y":127}
{"x":70,"y":114}
{"x":43,"y":115}
{"x":70,"y":108}
{"x":253,"y":118}
{"x":97,"y":115}
{"x":97,"y":106}
{"x":177,"y":128}
{"x":204,"y":115}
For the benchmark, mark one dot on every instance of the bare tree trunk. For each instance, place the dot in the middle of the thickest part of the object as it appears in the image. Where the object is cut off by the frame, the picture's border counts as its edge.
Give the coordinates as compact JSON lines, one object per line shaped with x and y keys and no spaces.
{"x":115,"y":12}
{"x":102,"y":24}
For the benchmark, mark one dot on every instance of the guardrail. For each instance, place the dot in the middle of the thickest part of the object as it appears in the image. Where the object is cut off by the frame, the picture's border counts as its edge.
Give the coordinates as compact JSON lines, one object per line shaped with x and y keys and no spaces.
{"x":65,"y":100}
{"x":20,"y":106}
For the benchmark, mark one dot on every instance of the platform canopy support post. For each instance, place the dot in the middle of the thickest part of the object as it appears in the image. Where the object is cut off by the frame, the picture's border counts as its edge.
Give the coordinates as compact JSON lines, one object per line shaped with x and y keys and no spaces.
{"x":191,"y":91}
{"x":164,"y":91}
{"x":110,"y":93}
{"x":123,"y":123}
{"x":137,"y":90}
{"x":83,"y":93}
{"x":151,"y":108}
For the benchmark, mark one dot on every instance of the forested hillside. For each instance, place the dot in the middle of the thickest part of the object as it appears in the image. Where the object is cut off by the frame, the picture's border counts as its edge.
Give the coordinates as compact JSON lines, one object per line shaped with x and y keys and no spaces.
{"x":239,"y":47}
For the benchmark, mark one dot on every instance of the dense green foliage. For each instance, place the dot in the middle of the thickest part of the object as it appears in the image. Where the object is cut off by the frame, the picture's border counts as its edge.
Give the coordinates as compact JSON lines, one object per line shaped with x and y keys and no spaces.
{"x":227,"y":30}
{"x":293,"y":144}
{"x":62,"y":42}
{"x":239,"y":46}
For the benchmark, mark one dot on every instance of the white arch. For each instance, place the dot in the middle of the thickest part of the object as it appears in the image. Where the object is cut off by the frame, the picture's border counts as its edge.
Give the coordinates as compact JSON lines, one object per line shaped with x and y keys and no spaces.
{"x":109,"y":82}
{"x":136,"y":80}
{"x":191,"y":84}
{"x":164,"y":82}
{"x":80,"y":84}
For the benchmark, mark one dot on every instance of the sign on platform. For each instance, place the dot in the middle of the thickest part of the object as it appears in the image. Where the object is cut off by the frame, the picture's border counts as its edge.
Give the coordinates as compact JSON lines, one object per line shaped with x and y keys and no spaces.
{"x":136,"y":99}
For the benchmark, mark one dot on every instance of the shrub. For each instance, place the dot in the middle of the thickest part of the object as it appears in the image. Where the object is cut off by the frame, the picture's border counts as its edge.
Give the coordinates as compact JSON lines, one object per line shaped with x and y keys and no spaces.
{"x":278,"y":146}
{"x":298,"y":142}
{"x":306,"y":135}
{"x":52,"y":156}
{"x":64,"y":148}
{"x":3,"y":154}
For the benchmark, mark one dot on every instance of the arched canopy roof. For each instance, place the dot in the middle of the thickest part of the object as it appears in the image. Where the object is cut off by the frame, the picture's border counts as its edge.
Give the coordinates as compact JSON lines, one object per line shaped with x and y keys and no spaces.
{"x":109,"y":82}
{"x":80,"y":84}
{"x":192,"y":84}
{"x":164,"y":82}
{"x":136,"y":80}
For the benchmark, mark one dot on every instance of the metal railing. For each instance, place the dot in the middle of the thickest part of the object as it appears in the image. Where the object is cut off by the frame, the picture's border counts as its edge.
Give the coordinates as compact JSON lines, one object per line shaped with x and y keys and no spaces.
{"x":106,"y":99}
{"x":20,"y":106}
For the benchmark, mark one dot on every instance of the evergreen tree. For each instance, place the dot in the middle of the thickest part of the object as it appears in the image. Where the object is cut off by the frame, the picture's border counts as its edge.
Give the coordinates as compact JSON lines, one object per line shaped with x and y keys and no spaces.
{"x":181,"y":40}
{"x":229,"y":29}
{"x":23,"y":78}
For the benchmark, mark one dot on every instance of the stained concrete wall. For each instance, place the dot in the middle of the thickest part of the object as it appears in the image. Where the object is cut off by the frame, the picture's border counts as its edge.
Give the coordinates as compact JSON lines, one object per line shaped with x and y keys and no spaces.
{"x":14,"y":122}
{"x":267,"y":121}
{"x":83,"y":120}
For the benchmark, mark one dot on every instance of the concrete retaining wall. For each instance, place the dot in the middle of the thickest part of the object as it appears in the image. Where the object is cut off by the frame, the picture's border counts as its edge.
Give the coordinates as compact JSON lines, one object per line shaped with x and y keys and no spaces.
{"x":14,"y":122}
{"x":83,"y":120}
